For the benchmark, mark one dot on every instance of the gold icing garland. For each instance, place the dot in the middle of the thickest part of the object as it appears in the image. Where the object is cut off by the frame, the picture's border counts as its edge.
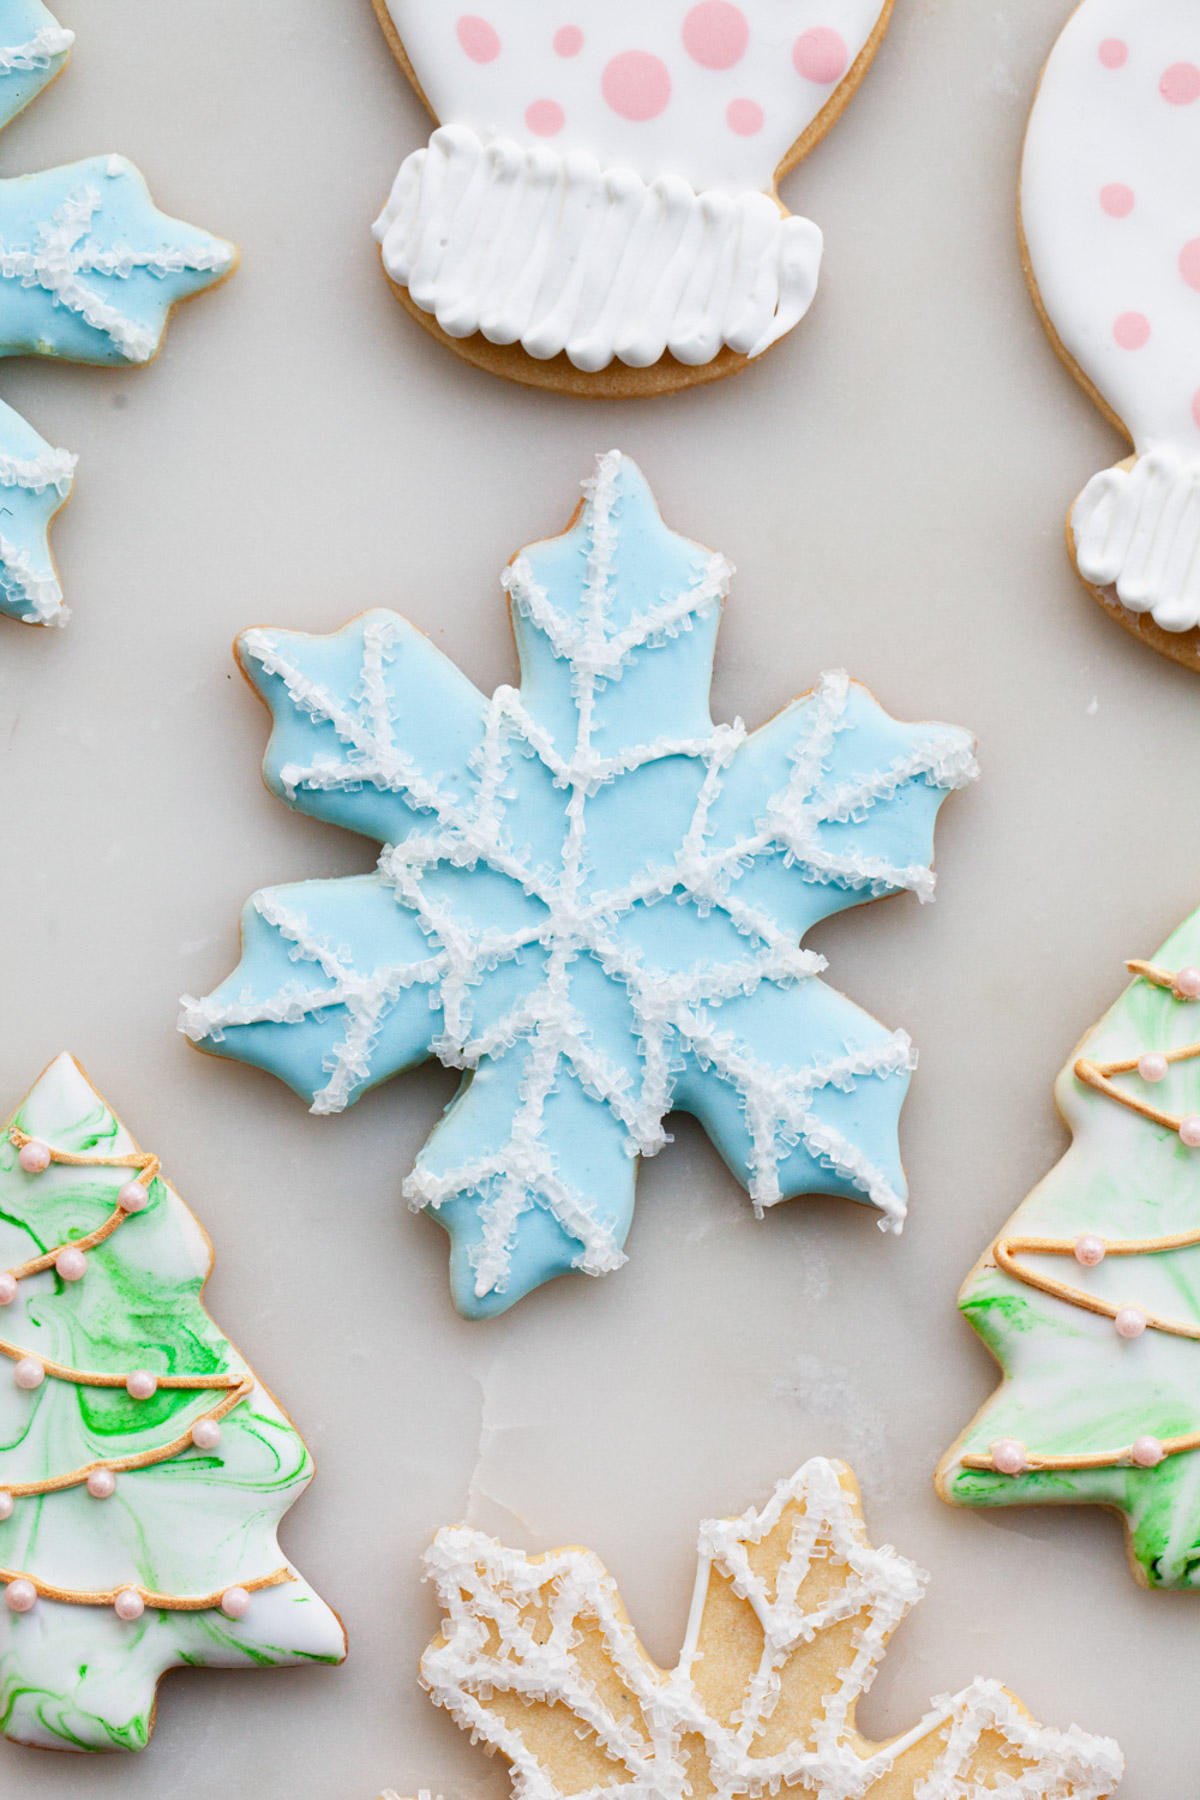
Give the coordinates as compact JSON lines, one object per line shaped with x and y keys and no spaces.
{"x":238,"y":1388}
{"x":1006,"y":1251}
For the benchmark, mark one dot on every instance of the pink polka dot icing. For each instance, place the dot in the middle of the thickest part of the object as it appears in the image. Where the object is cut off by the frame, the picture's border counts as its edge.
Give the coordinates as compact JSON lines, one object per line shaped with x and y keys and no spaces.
{"x":1181,"y":84}
{"x":568,"y":41}
{"x":746,"y":117}
{"x":480,"y":40}
{"x":1189,"y":263}
{"x":1116,"y":200}
{"x":1196,"y":407}
{"x":1132,"y":331}
{"x":637,"y":85}
{"x":1114,"y":53}
{"x":820,"y":55}
{"x":545,"y":118}
{"x":715,"y":34}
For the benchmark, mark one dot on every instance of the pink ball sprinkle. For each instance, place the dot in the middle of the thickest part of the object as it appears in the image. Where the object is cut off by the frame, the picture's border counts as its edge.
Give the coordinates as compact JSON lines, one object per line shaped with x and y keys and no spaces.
{"x":820,"y":55}
{"x":568,"y":41}
{"x":1189,"y":1130}
{"x":1114,"y":53}
{"x":745,"y":117}
{"x":1189,"y":263}
{"x":1116,"y":200}
{"x":34,"y":1158}
{"x":1147,"y":1452}
{"x":235,"y":1603}
{"x":206,"y":1434}
{"x":1090,"y":1251}
{"x":8,"y":1288}
{"x":1130,"y":1322}
{"x":141,"y":1385}
{"x":715,"y":34}
{"x":29,"y":1373}
{"x":71,"y":1264}
{"x":1131,"y":331}
{"x":6,"y":1505}
{"x":129,"y":1605}
{"x":480,"y":40}
{"x":20,"y":1596}
{"x":1153,"y":1066}
{"x":133,"y":1197}
{"x":1181,"y":84}
{"x":1187,"y":983}
{"x":1008,"y":1456}
{"x":545,"y":118}
{"x":636,"y":85}
{"x":102,"y":1484}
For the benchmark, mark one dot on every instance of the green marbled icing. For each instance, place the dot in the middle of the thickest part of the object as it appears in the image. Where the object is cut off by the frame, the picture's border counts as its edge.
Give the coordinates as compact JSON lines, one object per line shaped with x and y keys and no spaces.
{"x":1072,"y":1385}
{"x":76,"y":1677}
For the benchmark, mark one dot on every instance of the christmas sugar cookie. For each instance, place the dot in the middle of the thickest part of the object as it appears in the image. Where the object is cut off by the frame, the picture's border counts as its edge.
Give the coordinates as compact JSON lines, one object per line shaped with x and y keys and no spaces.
{"x":1090,"y":1297}
{"x":1110,"y":207}
{"x":791,"y":1614}
{"x":144,"y":1469}
{"x":597,"y":209}
{"x":590,"y":900}
{"x":90,"y":272}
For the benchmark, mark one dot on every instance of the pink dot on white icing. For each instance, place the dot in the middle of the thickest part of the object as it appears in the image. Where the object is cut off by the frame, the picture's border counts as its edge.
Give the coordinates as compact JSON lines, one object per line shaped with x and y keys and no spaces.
{"x":1189,"y":263}
{"x":1132,"y":331}
{"x":715,"y":34}
{"x":1116,"y":200}
{"x":1114,"y":53}
{"x":636,"y":85}
{"x":1196,"y":408}
{"x":545,"y":118}
{"x":480,"y":40}
{"x":821,"y":55}
{"x":1181,"y":84}
{"x":568,"y":40}
{"x":744,"y":116}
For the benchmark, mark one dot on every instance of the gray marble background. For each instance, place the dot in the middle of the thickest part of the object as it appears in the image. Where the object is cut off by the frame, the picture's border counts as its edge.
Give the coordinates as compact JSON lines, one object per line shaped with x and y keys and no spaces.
{"x":891,"y":483}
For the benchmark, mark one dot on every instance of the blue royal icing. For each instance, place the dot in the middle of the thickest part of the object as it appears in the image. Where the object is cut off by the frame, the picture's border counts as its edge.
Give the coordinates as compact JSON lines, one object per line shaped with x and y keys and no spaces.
{"x":590,"y":899}
{"x":89,"y":272}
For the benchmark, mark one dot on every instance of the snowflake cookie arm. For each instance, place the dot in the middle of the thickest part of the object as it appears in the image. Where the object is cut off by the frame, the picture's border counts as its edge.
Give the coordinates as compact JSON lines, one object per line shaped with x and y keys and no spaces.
{"x":33,"y":49}
{"x":792,"y":1612}
{"x":35,"y":483}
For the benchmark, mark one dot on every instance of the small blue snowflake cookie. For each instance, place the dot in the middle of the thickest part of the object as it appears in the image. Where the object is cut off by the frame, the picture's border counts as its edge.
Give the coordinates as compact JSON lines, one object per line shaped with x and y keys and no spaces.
{"x":90,"y":271}
{"x":590,"y":899}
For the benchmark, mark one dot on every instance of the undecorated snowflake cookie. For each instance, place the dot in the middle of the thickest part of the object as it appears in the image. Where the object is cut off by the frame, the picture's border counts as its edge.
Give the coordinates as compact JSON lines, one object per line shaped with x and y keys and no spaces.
{"x":590,"y":899}
{"x":791,"y":1615}
{"x":90,"y":271}
{"x":597,"y":209}
{"x":1090,"y":1297}
{"x":1110,"y":206}
{"x":143,"y":1468}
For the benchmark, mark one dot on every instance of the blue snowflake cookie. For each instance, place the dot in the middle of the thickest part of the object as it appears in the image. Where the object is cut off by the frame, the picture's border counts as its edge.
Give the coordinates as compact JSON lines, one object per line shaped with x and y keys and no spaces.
{"x":590,"y":899}
{"x":89,"y":272}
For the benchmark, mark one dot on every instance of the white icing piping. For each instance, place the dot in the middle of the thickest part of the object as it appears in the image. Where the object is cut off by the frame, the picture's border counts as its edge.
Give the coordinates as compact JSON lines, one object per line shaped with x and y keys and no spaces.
{"x":497,"y":1603}
{"x":53,"y":468}
{"x":57,"y":261}
{"x":556,"y":253}
{"x":1138,"y":530}
{"x":37,"y":53}
{"x":38,"y":588}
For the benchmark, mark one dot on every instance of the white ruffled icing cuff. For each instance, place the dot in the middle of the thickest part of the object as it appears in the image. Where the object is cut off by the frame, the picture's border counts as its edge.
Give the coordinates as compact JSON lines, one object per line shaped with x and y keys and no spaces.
{"x":1138,"y":530}
{"x":556,"y":253}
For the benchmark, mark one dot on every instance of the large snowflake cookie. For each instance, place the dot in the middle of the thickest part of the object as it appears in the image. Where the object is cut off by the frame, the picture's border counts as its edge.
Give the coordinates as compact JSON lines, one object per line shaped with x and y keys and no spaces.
{"x":791,"y":1614}
{"x":89,"y":272}
{"x":1110,"y":204}
{"x":1088,"y":1299}
{"x":597,"y":209}
{"x":143,"y":1467}
{"x":590,"y":899}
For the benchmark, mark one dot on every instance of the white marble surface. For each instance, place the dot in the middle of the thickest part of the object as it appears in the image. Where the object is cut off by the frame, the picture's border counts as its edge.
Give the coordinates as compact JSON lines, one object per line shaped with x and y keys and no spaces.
{"x":892,"y":484}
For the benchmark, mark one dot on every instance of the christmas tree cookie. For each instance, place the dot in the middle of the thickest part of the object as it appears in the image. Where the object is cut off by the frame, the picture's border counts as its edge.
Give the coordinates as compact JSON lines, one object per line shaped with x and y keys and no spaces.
{"x":143,"y":1467}
{"x":791,"y":1615}
{"x":590,"y":900}
{"x":1090,"y":1297}
{"x":90,"y":272}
